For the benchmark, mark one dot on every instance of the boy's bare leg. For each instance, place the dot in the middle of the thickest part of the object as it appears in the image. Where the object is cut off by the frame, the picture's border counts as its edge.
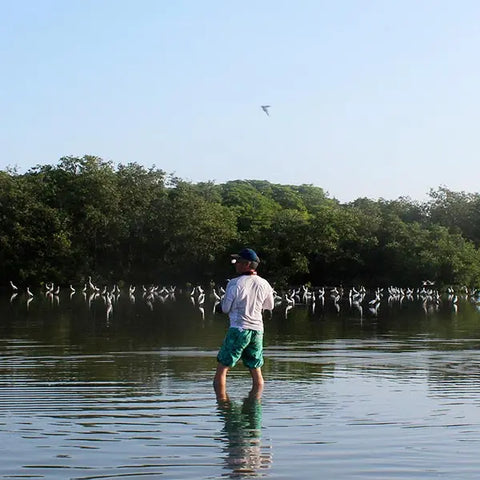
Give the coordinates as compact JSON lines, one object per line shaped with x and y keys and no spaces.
{"x":220,"y":382}
{"x":257,"y":382}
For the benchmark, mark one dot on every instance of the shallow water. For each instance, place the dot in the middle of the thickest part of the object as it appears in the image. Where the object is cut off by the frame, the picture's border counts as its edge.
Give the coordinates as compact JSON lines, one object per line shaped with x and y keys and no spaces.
{"x":390,"y":394}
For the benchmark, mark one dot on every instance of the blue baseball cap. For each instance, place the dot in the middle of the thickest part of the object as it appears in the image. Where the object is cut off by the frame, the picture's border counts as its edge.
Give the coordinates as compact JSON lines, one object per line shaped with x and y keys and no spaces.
{"x":247,"y":254}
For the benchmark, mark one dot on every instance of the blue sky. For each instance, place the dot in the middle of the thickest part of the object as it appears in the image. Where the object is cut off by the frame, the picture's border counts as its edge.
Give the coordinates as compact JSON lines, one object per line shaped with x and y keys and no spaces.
{"x":368,"y":98}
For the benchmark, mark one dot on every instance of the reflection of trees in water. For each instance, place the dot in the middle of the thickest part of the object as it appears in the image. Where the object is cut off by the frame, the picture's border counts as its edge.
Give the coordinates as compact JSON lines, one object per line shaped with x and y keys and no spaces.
{"x":454,"y":374}
{"x":244,"y":454}
{"x":307,"y":365}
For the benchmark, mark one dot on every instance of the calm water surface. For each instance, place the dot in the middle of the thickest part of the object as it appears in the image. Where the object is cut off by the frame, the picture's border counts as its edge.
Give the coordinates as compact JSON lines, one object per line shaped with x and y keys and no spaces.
{"x":86,"y":394}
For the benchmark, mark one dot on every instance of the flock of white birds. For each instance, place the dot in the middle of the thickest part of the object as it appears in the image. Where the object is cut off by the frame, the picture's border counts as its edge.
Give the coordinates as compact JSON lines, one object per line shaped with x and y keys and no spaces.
{"x":357,"y":299}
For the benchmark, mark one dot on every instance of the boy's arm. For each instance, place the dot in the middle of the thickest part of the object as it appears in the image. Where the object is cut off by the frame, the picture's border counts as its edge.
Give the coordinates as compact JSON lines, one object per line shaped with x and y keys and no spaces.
{"x":269,"y":301}
{"x":227,"y":299}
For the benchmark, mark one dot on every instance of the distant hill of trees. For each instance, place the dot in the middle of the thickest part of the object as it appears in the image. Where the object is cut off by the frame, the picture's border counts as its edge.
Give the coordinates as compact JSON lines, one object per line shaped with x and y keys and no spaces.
{"x":85,"y":216}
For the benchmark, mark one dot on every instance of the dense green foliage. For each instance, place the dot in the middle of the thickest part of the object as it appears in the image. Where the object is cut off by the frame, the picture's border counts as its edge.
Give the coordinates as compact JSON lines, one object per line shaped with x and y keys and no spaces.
{"x":84,"y":216}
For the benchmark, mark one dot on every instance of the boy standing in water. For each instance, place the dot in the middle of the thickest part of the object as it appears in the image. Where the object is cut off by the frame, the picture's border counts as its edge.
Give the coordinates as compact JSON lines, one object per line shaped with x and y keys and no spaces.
{"x":245,"y":298}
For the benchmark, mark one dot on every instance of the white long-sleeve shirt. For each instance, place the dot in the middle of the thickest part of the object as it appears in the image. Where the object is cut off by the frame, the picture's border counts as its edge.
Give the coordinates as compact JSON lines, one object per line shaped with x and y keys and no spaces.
{"x":246,"y":297}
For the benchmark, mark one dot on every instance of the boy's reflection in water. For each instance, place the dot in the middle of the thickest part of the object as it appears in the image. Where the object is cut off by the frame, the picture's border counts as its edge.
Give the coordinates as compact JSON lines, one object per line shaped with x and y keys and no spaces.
{"x":242,"y":433}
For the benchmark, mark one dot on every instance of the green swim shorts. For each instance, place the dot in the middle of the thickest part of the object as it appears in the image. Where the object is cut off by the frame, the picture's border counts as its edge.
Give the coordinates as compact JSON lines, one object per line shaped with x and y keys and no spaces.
{"x":244,"y":344}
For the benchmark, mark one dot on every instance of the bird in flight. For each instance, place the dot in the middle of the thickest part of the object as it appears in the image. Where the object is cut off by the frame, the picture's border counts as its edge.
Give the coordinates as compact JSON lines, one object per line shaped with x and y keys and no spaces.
{"x":265,"y":108}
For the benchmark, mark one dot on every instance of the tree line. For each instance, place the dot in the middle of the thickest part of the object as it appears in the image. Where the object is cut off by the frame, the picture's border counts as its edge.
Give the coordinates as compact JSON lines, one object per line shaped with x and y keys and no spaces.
{"x":85,"y":216}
